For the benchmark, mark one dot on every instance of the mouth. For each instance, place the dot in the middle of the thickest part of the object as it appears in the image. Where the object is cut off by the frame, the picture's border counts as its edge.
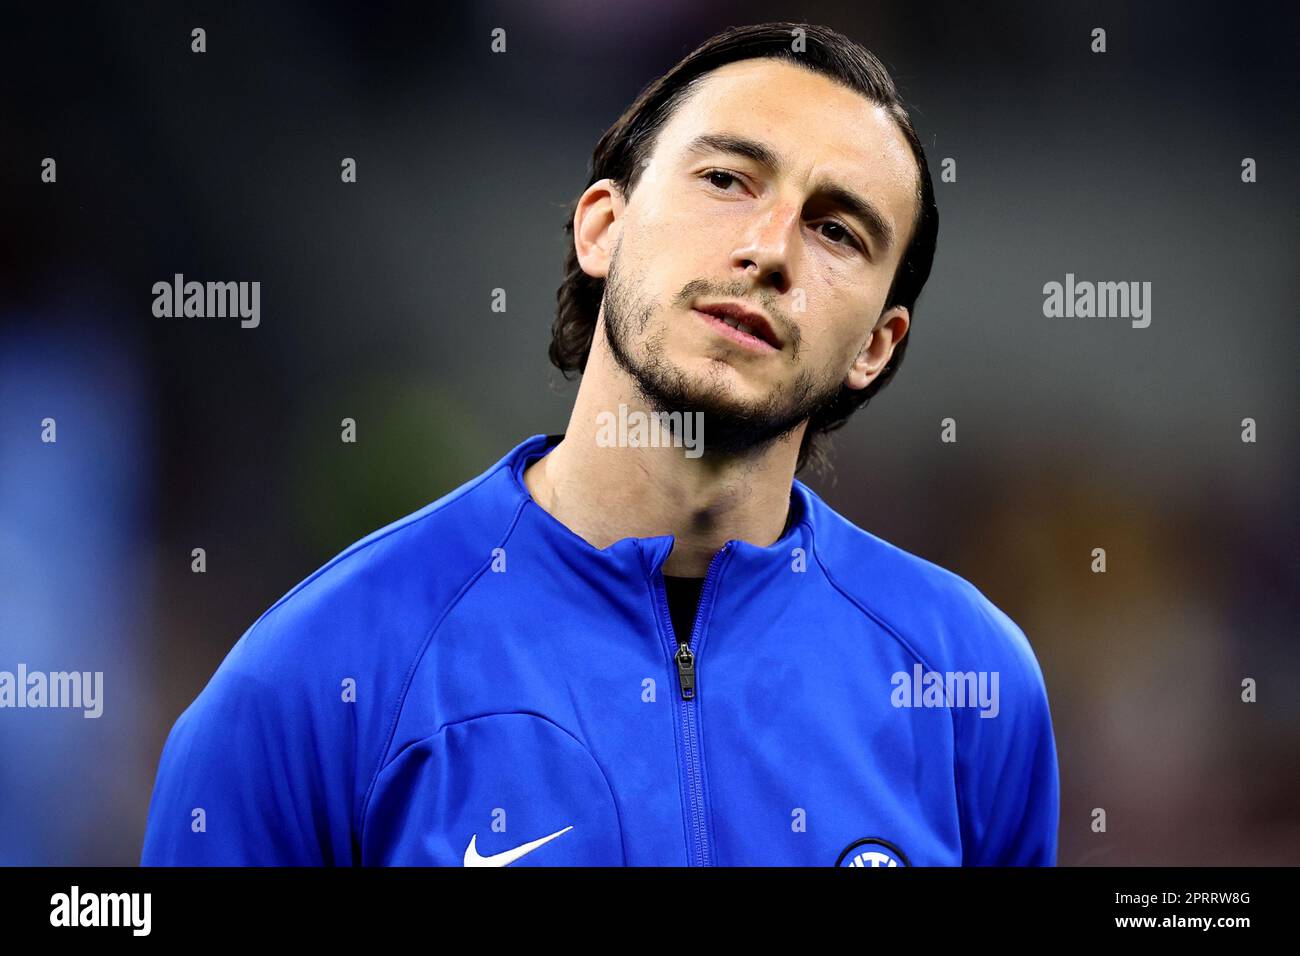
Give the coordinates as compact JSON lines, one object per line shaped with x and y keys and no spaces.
{"x":741,"y":325}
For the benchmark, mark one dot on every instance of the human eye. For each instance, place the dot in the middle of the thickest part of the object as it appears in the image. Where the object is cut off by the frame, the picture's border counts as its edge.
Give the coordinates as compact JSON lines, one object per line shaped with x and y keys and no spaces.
{"x":849,"y":239}
{"x":713,"y":175}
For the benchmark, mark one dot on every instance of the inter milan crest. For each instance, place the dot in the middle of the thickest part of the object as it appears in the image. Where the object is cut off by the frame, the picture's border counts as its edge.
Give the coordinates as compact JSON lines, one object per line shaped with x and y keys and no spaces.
{"x":872,"y":851}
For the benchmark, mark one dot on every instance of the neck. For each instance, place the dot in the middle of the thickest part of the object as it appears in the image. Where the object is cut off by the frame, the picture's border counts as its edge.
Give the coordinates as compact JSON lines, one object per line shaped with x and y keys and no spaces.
{"x":605,"y":492}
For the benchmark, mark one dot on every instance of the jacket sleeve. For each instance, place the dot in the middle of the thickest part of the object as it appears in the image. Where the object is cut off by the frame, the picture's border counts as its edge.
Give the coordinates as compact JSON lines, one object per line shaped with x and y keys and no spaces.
{"x":1007,"y":776}
{"x":239,"y":782}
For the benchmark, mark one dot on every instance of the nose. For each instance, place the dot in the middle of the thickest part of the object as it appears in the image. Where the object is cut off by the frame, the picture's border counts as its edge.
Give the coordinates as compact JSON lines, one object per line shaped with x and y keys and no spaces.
{"x":765,"y":253}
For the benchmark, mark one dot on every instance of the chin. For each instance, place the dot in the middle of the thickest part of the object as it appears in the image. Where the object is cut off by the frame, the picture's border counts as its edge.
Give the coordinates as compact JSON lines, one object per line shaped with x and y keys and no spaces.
{"x":724,"y":394}
{"x":712,"y":366}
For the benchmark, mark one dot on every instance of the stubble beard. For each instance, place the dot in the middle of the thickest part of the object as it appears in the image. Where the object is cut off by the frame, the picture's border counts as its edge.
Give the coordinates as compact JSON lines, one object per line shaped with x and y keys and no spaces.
{"x":732,"y":428}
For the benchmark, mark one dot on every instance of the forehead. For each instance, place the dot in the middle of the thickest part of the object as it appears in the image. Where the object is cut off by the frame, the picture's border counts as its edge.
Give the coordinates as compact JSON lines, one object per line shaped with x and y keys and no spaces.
{"x":820,"y":129}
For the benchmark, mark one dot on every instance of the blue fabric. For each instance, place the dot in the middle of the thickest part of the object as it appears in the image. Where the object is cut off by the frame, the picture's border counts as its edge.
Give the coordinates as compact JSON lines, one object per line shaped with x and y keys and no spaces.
{"x":511,"y":680}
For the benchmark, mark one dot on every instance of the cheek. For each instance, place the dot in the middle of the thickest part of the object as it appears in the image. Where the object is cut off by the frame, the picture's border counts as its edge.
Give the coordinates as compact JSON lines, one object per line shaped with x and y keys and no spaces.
{"x":836,"y":326}
{"x":651,"y":236}
{"x":673,"y":249}
{"x":688,"y":220}
{"x":657,"y":209}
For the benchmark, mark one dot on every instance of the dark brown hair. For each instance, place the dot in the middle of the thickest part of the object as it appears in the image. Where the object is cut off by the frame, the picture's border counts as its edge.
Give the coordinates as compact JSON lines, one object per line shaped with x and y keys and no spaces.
{"x":620,"y":153}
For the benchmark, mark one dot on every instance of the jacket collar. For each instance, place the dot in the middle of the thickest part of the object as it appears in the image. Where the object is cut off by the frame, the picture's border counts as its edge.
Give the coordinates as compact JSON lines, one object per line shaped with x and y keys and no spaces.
{"x":648,"y":554}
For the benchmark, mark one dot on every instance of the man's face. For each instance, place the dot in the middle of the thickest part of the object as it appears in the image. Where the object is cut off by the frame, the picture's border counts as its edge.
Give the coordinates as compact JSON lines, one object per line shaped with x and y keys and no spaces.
{"x":707,"y":224}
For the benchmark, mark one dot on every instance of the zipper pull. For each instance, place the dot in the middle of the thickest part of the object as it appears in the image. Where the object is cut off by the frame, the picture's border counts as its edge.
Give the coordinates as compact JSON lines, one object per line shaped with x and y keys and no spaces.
{"x":686,"y":670}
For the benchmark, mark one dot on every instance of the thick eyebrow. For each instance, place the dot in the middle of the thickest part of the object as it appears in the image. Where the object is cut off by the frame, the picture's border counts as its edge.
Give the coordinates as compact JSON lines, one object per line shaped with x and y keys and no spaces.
{"x":846,"y":199}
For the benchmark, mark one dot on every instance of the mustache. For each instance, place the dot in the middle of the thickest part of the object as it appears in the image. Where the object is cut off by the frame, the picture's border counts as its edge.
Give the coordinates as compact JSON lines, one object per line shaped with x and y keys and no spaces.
{"x":782,"y":323}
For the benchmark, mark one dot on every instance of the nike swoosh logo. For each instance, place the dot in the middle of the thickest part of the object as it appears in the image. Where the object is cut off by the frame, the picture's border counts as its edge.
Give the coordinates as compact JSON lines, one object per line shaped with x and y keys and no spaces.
{"x":474,"y":858}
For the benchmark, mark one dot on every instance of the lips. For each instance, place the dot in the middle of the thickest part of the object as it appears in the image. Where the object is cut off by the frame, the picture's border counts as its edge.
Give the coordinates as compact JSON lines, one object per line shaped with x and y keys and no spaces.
{"x":752,"y":325}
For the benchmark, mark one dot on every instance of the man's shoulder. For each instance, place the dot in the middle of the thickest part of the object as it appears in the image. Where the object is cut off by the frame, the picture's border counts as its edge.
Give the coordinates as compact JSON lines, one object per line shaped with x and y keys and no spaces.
{"x":373,"y":604}
{"x":316,"y":683}
{"x":943,"y":618}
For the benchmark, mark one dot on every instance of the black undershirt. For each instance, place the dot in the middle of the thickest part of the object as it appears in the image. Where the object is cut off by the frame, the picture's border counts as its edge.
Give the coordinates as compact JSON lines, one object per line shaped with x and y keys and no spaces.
{"x":684,"y":595}
{"x":683,"y":599}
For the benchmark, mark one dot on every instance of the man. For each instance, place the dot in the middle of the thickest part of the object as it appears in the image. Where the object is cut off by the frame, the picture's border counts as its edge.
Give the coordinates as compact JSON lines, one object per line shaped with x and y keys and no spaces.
{"x":647,"y":643}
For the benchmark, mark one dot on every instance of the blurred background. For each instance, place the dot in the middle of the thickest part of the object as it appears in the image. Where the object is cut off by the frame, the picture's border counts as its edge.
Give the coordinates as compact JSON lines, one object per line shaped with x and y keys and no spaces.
{"x":1073,"y":434}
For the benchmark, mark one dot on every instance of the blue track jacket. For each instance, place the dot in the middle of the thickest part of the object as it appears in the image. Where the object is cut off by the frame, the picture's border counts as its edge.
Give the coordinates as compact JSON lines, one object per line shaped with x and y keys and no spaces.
{"x":476,"y":685}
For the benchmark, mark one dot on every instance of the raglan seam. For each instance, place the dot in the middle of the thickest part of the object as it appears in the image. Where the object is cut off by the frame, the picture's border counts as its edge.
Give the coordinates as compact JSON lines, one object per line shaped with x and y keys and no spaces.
{"x":359,"y":823}
{"x":399,"y":525}
{"x":952,"y":713}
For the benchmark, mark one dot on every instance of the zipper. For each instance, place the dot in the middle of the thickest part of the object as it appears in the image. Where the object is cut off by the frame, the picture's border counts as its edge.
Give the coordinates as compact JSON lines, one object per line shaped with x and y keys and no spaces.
{"x":684,"y":659}
{"x":686,"y":670}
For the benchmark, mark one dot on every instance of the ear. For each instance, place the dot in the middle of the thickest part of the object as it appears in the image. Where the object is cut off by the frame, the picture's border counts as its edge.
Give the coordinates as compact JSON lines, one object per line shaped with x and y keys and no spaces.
{"x":597,"y":221}
{"x":875,"y":354}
